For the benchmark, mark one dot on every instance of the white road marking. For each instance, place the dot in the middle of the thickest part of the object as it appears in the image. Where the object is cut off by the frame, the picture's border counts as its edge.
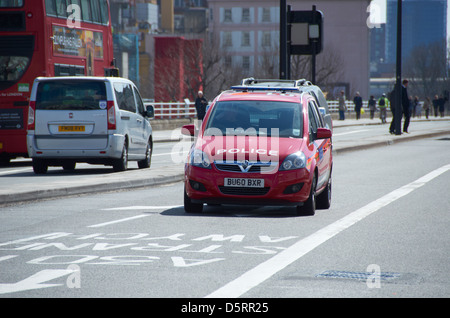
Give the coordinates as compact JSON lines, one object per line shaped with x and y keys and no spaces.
{"x":143,"y":207}
{"x":121,"y":220}
{"x":170,"y":153}
{"x":35,"y":281}
{"x":350,"y":132}
{"x":14,"y":171}
{"x":265,"y":270}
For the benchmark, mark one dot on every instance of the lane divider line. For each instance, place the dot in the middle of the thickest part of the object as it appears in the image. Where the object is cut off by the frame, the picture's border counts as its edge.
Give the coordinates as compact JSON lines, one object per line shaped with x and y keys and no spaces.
{"x":265,"y":270}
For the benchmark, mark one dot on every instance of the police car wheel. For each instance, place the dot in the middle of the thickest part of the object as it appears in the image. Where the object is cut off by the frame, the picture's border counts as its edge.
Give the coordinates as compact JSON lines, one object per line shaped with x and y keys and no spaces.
{"x":190,"y":207}
{"x":309,"y":206}
{"x":323,"y":200}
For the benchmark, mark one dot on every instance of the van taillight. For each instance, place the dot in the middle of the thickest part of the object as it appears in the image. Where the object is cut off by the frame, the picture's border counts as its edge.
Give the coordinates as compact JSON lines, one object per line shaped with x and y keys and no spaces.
{"x":111,"y":115}
{"x":31,"y":112}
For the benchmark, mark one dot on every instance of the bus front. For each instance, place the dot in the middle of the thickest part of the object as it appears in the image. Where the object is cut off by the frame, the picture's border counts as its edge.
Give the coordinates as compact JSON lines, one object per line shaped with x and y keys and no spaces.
{"x":21,"y":61}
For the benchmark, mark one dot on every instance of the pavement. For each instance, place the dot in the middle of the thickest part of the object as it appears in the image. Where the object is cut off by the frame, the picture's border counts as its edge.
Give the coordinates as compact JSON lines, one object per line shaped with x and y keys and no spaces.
{"x":86,"y":184}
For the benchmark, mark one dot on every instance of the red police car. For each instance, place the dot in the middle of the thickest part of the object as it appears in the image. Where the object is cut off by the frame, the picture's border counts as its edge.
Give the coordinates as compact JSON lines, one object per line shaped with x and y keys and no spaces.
{"x":261,"y":144}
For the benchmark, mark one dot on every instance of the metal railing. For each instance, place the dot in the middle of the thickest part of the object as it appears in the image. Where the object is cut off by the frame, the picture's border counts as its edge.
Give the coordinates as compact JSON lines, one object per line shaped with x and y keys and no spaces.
{"x":173,"y":110}
{"x":186,"y":109}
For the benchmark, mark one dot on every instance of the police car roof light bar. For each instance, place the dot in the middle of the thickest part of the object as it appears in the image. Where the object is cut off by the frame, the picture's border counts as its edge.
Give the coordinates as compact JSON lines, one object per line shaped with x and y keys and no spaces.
{"x":264,"y":88}
{"x":275,"y":82}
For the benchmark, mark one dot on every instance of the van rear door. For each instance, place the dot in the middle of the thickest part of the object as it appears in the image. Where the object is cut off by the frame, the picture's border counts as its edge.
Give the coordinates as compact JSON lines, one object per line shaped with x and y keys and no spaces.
{"x":71,"y":114}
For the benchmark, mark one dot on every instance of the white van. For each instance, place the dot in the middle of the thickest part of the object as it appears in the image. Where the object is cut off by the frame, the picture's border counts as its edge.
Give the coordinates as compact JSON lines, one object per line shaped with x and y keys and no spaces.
{"x":98,"y":120}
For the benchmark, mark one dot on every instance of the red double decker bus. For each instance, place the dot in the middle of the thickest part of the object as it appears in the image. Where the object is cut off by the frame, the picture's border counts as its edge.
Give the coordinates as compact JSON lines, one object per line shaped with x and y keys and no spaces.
{"x":46,"y":38}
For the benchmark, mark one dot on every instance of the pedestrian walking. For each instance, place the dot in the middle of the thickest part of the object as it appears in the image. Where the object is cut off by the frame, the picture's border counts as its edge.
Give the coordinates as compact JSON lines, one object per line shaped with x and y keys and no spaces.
{"x":406,"y":103}
{"x":372,"y":106}
{"x":382,"y":105}
{"x":342,"y":108}
{"x":404,"y":106}
{"x":357,"y":100}
{"x":436,"y":105}
{"x":441,"y":104}
{"x":417,"y":107}
{"x":427,"y":106}
{"x":200,"y":105}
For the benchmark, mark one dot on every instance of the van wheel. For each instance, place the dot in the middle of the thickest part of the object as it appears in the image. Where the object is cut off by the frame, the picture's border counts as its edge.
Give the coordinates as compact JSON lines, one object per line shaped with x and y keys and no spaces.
{"x":69,"y":166}
{"x":309,"y":207}
{"x":190,"y":207}
{"x":148,"y":157}
{"x":40,"y":166}
{"x":121,"y":164}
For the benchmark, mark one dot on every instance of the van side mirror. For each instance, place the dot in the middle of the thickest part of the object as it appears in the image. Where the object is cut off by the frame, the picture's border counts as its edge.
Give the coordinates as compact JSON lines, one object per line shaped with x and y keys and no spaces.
{"x":150,"y":111}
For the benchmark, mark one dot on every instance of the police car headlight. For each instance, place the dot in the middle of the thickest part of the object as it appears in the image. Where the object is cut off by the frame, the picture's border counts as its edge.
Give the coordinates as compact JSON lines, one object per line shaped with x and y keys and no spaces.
{"x":294,"y":161}
{"x":200,"y":159}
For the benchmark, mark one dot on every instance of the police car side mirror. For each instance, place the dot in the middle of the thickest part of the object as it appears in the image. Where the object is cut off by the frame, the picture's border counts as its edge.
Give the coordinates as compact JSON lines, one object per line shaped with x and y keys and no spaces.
{"x":323,"y":133}
{"x":150,"y":111}
{"x":188,"y":130}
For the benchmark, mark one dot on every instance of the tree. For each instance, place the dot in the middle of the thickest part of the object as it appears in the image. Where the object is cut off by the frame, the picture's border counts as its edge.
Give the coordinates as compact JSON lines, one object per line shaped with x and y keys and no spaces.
{"x":428,"y":70}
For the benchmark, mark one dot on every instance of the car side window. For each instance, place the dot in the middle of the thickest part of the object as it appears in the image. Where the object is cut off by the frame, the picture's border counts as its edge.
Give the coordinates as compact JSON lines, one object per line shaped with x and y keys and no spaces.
{"x":313,"y":120}
{"x":129,"y":97}
{"x":125,"y":97}
{"x":139,"y":103}
{"x":319,"y":117}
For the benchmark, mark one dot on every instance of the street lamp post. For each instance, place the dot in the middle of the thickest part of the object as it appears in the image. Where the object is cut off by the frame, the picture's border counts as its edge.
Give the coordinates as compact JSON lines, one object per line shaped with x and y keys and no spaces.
{"x":398,"y":75}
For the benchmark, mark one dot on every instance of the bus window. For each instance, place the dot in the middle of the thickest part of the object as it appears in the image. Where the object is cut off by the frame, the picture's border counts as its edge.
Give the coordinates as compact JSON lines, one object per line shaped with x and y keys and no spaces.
{"x":95,"y":11}
{"x":50,"y":7}
{"x":61,"y":8}
{"x":86,"y":10}
{"x":104,"y":12}
{"x":76,"y":2}
{"x":13,"y":67}
{"x":11,"y":3}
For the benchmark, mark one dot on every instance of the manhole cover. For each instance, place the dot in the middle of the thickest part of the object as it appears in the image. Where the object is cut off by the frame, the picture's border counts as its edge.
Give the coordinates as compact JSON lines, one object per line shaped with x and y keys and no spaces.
{"x":445,"y":138}
{"x":358,"y":275}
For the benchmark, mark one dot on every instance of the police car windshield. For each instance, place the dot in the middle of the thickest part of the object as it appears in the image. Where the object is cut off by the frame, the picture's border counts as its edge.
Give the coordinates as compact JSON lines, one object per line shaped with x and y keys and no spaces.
{"x":259,"y":118}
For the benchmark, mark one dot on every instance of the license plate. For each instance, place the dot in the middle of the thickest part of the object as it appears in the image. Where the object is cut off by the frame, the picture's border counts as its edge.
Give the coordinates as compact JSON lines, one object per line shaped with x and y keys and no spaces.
{"x":244,"y":182}
{"x":70,"y":128}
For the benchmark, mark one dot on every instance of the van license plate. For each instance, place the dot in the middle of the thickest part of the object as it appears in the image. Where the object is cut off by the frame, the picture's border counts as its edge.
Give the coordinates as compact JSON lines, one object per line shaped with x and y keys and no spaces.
{"x":244,"y":182}
{"x":70,"y":128}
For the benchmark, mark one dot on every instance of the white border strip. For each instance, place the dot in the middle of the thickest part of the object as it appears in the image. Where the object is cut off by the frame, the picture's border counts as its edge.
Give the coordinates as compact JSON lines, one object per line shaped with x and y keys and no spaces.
{"x":265,"y":270}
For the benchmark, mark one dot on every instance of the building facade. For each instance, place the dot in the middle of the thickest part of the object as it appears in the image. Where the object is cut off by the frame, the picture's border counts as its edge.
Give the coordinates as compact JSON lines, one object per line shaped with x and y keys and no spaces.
{"x":249,"y":32}
{"x":423,"y":22}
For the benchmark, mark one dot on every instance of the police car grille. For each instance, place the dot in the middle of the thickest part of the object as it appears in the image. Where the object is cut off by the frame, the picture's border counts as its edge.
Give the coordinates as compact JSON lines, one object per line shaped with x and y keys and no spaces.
{"x":235,"y":168}
{"x":243,"y":191}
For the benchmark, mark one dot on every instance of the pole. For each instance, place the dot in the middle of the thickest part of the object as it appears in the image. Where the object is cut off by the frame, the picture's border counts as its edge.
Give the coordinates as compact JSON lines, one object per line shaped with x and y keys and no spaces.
{"x":313,"y":57}
{"x":283,"y":40}
{"x":288,"y":43}
{"x":398,"y":83}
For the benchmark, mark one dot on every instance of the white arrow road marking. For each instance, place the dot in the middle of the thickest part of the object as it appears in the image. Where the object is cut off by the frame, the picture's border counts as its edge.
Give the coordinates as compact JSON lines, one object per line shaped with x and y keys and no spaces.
{"x":35,"y":281}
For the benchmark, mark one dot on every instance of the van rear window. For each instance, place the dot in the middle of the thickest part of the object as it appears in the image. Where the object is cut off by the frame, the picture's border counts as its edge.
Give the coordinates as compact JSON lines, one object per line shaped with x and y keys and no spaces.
{"x":71,"y":95}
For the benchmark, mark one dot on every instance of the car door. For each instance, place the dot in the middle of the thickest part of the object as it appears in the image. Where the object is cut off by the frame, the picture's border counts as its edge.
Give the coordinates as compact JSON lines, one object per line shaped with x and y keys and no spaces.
{"x":143,"y":123}
{"x":129,"y":120}
{"x":322,"y":147}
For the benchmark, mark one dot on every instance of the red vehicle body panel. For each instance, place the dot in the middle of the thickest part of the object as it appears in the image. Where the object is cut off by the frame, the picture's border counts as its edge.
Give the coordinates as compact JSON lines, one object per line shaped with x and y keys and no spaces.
{"x":318,"y":155}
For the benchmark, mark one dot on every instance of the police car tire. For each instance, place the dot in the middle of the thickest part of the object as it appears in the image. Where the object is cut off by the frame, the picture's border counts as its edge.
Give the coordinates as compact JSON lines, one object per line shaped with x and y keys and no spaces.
{"x":190,"y":207}
{"x":309,"y":206}
{"x":323,"y":200}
